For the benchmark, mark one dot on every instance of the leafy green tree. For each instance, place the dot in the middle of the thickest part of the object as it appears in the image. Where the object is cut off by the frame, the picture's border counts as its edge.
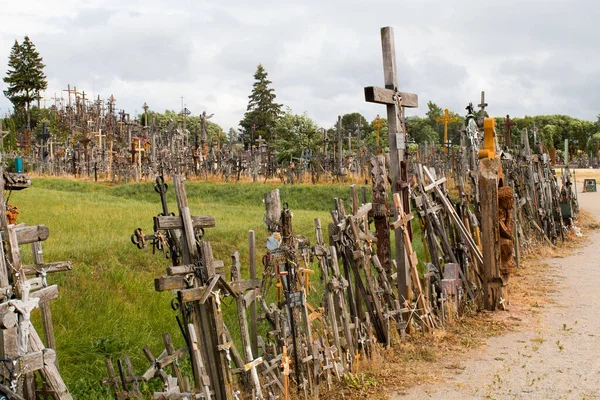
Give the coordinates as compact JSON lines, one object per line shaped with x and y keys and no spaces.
{"x":420,"y":130}
{"x":262,"y":112}
{"x":25,"y":77}
{"x":295,"y":133}
{"x":593,"y":144}
{"x":350,"y":124}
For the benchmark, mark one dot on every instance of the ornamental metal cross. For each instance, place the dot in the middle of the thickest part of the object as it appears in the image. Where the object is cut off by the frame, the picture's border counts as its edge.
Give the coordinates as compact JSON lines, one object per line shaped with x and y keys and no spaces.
{"x":395,"y":101}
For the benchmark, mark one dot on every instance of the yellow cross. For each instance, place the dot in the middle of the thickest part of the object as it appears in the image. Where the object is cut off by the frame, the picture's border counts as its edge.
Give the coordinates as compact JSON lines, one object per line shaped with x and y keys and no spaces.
{"x":446,"y":119}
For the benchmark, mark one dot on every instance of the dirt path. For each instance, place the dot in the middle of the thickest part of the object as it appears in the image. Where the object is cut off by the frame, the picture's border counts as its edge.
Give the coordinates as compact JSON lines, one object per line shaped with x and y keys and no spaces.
{"x":555,"y":356}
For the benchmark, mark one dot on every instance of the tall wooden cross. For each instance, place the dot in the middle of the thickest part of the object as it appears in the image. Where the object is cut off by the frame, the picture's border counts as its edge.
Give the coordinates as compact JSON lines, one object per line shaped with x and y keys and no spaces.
{"x":395,"y":101}
{"x":508,"y":124}
{"x":446,"y":119}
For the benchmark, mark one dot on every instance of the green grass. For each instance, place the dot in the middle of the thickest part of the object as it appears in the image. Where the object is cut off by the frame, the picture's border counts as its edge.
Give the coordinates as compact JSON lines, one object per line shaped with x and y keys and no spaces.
{"x":107,"y":305}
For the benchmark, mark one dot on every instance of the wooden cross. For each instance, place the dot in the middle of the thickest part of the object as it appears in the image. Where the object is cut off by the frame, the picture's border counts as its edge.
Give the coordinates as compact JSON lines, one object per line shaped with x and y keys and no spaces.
{"x":395,"y":101}
{"x":508,"y":124}
{"x":99,"y":135}
{"x":446,"y":119}
{"x":285,"y":364}
{"x":402,"y":222}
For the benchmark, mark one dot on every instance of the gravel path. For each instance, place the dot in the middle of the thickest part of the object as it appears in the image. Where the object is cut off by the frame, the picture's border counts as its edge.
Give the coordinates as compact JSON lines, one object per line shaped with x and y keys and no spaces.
{"x":556,"y":356}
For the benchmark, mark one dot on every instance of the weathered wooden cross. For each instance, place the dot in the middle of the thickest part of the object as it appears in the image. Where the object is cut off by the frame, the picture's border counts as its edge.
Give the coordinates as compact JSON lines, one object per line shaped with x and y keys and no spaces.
{"x":395,"y":101}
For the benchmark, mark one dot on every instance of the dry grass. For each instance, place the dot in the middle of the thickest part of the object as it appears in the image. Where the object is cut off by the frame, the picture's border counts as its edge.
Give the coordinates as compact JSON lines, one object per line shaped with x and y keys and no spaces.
{"x":431,"y":358}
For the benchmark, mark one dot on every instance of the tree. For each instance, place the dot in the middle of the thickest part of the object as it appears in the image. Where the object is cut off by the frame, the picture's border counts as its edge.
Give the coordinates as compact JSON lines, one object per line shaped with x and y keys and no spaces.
{"x":295,"y":134}
{"x":25,"y":76}
{"x":420,"y":130}
{"x":262,"y":112}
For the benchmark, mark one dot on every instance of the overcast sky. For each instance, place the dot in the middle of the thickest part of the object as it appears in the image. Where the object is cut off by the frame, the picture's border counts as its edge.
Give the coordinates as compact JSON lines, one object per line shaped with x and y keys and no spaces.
{"x":530,"y":56}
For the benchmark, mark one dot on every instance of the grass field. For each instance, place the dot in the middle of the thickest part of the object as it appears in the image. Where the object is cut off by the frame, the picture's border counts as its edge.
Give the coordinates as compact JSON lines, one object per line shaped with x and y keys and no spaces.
{"x":107,"y":304}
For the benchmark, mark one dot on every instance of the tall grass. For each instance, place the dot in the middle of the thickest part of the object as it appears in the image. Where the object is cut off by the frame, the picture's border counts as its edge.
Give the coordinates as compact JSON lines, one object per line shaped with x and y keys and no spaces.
{"x":107,"y":304}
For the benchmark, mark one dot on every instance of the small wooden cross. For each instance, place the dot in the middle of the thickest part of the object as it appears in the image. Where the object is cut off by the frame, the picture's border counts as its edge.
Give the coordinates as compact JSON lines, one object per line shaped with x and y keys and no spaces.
{"x":99,"y":135}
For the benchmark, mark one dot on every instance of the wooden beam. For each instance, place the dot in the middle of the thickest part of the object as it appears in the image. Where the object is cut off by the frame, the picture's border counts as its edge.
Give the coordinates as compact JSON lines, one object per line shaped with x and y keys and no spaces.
{"x":60,"y":266}
{"x":175,"y":222}
{"x":31,"y":234}
{"x":386,"y":96}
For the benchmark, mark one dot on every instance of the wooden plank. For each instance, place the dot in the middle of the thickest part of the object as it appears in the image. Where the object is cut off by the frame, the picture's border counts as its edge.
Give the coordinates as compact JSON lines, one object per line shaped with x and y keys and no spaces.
{"x":241,"y":286}
{"x":46,"y":294}
{"x":386,"y":96}
{"x":49,"y":372}
{"x":191,"y":268}
{"x":171,"y":222}
{"x":200,"y":293}
{"x":38,"y":259}
{"x":14,"y":257}
{"x":165,"y":283}
{"x":176,"y":355}
{"x":50,"y":268}
{"x":30,"y":234}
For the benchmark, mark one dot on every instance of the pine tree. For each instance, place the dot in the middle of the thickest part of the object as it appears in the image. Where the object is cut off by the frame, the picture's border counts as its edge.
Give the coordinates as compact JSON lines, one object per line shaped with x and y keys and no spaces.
{"x":262,"y":112}
{"x":25,"y":76}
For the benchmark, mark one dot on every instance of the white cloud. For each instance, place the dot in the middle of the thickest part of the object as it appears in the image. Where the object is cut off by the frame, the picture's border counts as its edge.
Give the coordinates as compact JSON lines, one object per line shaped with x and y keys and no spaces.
{"x":530,"y":56}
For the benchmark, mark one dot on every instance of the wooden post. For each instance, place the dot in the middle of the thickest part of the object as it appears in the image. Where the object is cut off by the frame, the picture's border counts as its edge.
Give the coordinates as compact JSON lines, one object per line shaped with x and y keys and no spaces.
{"x":206,"y":316}
{"x":490,"y":232}
{"x":38,"y":258}
{"x":251,"y":363}
{"x":340,"y":151}
{"x":253,"y":327}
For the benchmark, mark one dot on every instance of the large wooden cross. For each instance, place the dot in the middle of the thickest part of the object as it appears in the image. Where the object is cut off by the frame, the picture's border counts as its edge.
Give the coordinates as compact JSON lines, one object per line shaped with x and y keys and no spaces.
{"x":446,"y":119}
{"x":395,"y":101}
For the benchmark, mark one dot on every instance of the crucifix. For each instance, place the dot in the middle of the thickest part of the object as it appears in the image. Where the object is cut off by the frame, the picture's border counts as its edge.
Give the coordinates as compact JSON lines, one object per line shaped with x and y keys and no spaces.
{"x":395,"y":101}
{"x":446,"y":119}
{"x":508,"y":124}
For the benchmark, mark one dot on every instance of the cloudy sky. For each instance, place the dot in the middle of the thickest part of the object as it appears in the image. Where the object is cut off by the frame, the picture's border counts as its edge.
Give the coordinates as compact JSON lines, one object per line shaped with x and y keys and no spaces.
{"x":530,"y":56}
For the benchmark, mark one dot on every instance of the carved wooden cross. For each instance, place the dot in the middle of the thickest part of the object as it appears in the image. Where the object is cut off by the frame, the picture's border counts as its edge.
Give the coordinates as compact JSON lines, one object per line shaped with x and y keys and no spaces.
{"x":395,"y":101}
